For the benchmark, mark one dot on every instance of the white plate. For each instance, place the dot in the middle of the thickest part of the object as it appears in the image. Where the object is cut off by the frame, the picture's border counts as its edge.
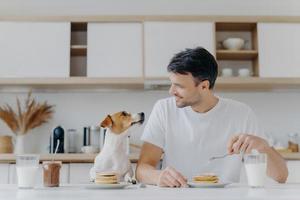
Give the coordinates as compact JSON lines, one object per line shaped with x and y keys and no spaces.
{"x":107,"y":186}
{"x":207,"y":185}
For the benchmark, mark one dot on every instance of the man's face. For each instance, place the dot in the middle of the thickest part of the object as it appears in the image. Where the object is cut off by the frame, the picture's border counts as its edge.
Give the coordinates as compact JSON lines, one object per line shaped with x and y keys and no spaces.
{"x":185,"y":90}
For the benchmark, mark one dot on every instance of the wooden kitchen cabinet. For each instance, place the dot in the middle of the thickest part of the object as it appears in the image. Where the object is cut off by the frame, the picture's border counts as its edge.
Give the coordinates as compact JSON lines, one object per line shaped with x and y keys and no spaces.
{"x":80,"y":172}
{"x":114,"y":50}
{"x":34,"y":49}
{"x":64,"y":174}
{"x":279,"y":49}
{"x":164,"y":39}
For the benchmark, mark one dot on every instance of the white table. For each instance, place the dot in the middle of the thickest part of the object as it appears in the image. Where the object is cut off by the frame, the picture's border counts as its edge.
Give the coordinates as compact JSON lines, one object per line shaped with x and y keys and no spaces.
{"x":76,"y":192}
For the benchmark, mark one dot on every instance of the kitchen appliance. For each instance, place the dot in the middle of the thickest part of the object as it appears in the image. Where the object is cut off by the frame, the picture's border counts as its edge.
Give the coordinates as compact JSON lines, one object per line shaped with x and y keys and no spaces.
{"x":57,"y":134}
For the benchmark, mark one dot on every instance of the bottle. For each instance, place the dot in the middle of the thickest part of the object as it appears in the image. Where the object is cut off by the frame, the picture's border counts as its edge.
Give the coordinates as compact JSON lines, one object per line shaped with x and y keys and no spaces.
{"x":86,"y":136}
{"x":95,"y":136}
{"x":102,"y":137}
{"x":71,"y":135}
{"x":293,"y":142}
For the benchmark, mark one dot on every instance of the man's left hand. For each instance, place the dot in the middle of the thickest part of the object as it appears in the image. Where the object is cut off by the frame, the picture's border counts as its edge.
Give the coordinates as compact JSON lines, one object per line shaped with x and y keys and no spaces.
{"x":246,"y":143}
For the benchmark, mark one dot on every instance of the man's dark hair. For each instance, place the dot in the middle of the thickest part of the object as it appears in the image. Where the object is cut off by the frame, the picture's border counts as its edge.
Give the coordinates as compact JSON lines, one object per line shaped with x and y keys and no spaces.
{"x":199,"y":62}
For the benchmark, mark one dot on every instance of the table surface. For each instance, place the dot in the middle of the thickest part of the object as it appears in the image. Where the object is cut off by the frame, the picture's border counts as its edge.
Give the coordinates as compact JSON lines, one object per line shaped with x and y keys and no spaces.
{"x":75,"y":192}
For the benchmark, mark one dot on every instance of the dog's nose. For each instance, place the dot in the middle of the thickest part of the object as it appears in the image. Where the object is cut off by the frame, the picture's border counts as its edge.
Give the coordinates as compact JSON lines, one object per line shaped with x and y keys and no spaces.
{"x":142,"y":116}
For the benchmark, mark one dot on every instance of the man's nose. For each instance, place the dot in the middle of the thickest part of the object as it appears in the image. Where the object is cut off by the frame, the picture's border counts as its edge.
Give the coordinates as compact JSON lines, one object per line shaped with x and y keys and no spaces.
{"x":171,"y":90}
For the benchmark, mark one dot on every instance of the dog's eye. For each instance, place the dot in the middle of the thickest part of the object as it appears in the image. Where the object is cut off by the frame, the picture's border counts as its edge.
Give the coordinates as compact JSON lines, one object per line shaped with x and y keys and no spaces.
{"x":124,"y":113}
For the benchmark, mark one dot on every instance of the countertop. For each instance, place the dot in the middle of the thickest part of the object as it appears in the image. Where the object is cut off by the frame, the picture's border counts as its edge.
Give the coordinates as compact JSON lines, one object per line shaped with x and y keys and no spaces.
{"x":89,"y":158}
{"x":291,"y":156}
{"x":65,"y":158}
{"x":76,"y":192}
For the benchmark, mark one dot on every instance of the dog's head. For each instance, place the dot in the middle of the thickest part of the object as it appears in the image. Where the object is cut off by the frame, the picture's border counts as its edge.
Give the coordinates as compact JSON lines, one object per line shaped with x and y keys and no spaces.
{"x":121,"y":121}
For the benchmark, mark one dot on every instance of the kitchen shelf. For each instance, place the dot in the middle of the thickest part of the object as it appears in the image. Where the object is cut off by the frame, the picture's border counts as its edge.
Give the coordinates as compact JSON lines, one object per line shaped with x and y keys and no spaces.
{"x":237,"y":55}
{"x":78,"y":50}
{"x":222,"y":83}
{"x":236,"y":83}
{"x":249,"y":55}
{"x":256,"y":83}
{"x":74,"y":83}
{"x":65,"y":157}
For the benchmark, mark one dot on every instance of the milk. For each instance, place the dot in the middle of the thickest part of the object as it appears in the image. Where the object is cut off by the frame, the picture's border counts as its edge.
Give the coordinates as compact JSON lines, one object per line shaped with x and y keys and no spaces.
{"x":256,"y":174}
{"x":26,"y":176}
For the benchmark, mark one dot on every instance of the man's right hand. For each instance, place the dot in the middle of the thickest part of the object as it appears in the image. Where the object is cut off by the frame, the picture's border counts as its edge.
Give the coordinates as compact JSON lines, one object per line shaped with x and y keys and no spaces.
{"x":169,"y":177}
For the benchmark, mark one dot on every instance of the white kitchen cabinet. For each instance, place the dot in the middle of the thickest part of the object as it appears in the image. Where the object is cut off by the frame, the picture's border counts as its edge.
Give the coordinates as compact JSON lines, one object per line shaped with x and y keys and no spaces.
{"x":279,"y":49}
{"x":34,"y":49}
{"x":80,"y":172}
{"x":164,"y":39}
{"x":114,"y":50}
{"x":4,"y":173}
{"x":294,"y":171}
{"x":63,"y":176}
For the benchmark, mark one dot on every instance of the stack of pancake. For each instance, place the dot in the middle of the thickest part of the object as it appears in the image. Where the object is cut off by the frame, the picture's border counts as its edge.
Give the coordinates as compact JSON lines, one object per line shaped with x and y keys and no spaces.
{"x":206,"y":178}
{"x":106,"y":178}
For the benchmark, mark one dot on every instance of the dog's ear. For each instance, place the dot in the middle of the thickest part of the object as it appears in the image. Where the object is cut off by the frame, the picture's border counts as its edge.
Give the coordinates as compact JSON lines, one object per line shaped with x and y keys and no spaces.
{"x":107,"y":122}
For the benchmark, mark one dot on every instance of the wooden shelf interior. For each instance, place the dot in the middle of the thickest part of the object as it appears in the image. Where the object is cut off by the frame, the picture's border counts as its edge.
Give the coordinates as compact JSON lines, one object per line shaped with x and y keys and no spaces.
{"x":250,"y":53}
{"x":235,"y":26}
{"x":79,"y":26}
{"x":237,"y":55}
{"x":78,"y":51}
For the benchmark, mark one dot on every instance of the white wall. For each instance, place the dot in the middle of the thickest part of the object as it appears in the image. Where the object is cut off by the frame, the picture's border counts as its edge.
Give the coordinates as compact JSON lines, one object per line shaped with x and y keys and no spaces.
{"x":278,"y":112}
{"x":144,"y":7}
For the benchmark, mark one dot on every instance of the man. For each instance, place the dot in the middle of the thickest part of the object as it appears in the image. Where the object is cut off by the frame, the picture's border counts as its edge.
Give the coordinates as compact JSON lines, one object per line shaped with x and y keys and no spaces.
{"x":195,"y":125}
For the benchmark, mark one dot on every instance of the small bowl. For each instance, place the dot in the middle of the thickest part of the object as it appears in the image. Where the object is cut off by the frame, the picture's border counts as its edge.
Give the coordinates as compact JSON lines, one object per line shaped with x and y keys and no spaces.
{"x":244,"y":72}
{"x":233,"y":43}
{"x":89,"y":149}
{"x":227,"y":72}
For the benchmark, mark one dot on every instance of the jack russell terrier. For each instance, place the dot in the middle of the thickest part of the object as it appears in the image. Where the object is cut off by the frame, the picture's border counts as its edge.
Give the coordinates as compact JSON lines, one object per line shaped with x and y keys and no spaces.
{"x":113,"y":156}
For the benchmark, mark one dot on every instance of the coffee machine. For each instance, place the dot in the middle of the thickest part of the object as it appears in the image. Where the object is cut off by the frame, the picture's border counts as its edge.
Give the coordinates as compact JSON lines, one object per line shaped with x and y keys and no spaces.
{"x":57,"y":134}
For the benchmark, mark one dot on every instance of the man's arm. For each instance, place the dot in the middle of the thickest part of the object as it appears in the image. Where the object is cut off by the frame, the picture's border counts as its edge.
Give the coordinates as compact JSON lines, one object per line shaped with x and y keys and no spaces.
{"x":276,"y":166}
{"x":146,"y":171}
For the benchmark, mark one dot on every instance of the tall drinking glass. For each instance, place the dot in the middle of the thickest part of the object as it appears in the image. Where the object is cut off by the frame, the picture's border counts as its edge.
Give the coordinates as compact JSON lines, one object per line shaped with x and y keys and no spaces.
{"x":256,"y":169}
{"x":27,"y":167}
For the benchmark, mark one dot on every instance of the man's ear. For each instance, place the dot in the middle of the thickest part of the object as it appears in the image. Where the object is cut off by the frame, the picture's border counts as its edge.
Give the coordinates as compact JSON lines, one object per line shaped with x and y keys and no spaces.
{"x":204,"y":84}
{"x":107,"y":122}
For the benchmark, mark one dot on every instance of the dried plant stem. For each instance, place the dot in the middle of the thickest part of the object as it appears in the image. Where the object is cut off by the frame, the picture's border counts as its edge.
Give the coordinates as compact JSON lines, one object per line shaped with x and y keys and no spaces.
{"x":33,"y":115}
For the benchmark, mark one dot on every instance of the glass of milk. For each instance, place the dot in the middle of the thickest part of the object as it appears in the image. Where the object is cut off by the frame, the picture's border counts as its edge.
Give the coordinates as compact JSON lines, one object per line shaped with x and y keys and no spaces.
{"x":256,"y":169}
{"x":27,"y":168}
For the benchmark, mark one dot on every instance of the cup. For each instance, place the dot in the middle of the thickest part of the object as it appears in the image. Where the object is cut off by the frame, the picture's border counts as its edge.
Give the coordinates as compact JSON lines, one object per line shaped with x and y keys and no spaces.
{"x":244,"y":72}
{"x":227,"y":72}
{"x":51,"y":173}
{"x":27,"y":167}
{"x":256,"y":169}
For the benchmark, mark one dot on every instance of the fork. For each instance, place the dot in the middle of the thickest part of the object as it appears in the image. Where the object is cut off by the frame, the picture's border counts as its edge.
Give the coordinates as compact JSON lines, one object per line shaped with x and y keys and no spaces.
{"x":218,"y":157}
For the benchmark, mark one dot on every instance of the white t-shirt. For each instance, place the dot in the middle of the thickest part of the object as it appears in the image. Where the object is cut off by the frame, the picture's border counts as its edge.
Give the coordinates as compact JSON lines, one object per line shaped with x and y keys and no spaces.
{"x":189,"y":138}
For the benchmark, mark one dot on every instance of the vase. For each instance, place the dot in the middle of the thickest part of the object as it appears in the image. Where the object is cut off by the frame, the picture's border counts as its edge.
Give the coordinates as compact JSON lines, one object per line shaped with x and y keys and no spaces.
{"x":19,"y":144}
